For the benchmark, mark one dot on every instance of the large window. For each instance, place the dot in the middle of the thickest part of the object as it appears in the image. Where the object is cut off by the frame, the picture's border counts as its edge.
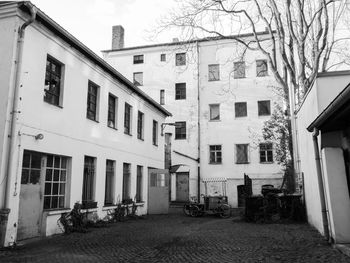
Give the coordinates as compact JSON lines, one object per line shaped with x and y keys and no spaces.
{"x":240,"y":109}
{"x":140,"y":125}
{"x":239,"y":70}
{"x":266,"y":153}
{"x":180,"y":91}
{"x":214,"y":72}
{"x":139,"y":182}
{"x":180,"y":130}
{"x":155,"y":133}
{"x":215,"y":155}
{"x":126,"y":181}
{"x":112,"y":108}
{"x":214,"y":112}
{"x":109,"y":184}
{"x":180,"y":59}
{"x":127,"y":119}
{"x":261,"y":68}
{"x":53,"y":81}
{"x":88,"y":179}
{"x":242,"y":153}
{"x":138,"y":59}
{"x":138,"y":78}
{"x":264,"y":108}
{"x":91,"y":112}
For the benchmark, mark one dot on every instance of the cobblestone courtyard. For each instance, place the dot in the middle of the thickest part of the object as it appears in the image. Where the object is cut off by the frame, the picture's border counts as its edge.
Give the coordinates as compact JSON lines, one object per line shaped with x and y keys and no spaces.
{"x":176,"y":238}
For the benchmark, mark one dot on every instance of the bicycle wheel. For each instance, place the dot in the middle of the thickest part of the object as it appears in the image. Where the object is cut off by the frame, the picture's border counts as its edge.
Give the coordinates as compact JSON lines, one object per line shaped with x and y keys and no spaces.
{"x":194,"y":211}
{"x":224,"y":211}
{"x":186,"y":209}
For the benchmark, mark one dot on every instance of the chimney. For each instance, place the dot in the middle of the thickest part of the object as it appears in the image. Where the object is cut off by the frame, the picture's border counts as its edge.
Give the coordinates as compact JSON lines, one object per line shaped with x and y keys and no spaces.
{"x":117,"y":37}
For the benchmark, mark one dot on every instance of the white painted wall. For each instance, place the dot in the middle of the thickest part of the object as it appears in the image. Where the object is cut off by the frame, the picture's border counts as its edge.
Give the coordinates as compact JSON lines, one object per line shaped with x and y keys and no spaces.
{"x":66,"y":129}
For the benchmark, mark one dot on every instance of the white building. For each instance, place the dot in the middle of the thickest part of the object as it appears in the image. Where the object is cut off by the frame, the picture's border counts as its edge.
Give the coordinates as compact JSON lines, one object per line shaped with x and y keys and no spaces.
{"x":219,"y":103}
{"x":72,"y":128}
{"x":324,"y":146}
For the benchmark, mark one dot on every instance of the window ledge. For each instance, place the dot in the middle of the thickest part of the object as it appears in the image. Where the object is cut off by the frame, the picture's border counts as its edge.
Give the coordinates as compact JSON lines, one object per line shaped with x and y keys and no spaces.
{"x":214,"y":120}
{"x":89,"y":210}
{"x":215,"y":163}
{"x":129,"y":134}
{"x":58,"y":106}
{"x":244,"y":163}
{"x":240,"y":117}
{"x":266,"y":162}
{"x":57,"y":211}
{"x":213,"y":80}
{"x":113,"y":128}
{"x":92,"y":120}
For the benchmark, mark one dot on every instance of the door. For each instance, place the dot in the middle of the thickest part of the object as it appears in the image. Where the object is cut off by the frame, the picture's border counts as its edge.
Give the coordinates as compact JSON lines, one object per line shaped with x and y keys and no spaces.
{"x":158,"y":191}
{"x":30,"y":199}
{"x":182,"y":186}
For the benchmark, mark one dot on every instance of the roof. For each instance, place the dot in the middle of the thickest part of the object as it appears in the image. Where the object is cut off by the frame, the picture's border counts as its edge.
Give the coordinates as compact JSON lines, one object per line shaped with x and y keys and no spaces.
{"x":89,"y":54}
{"x":206,"y":39}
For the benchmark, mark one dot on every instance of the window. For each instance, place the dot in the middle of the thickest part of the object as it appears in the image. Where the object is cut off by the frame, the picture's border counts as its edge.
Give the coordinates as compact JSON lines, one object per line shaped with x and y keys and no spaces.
{"x":180,"y":91}
{"x":215,"y":156}
{"x":109,"y":185}
{"x":261,"y":68}
{"x":180,"y":59}
{"x":127,"y":119}
{"x":126,"y":181}
{"x":138,"y":78}
{"x":140,"y":125}
{"x":55,"y":182}
{"x":138,"y":59}
{"x":53,"y":78}
{"x":162,"y":57}
{"x":239,"y":70}
{"x":88,"y":179}
{"x":242,"y":153}
{"x":266,"y":154}
{"x":240,"y":109}
{"x":214,"y":72}
{"x":155,"y":133}
{"x":180,"y":130}
{"x":31,"y":168}
{"x":112,"y":108}
{"x":91,"y":112}
{"x":162,"y":97}
{"x":264,"y":108}
{"x":214,"y":112}
{"x":139,"y":183}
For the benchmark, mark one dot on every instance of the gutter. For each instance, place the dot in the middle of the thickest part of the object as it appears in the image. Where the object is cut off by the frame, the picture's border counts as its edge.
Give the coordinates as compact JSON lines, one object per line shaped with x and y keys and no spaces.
{"x":14,"y":112}
{"x":315,"y":133}
{"x":199,"y":127}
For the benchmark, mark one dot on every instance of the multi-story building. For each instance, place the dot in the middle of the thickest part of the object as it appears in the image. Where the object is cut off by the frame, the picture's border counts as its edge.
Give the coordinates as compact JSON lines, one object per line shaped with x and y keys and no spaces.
{"x":219,"y":101}
{"x":72,"y":128}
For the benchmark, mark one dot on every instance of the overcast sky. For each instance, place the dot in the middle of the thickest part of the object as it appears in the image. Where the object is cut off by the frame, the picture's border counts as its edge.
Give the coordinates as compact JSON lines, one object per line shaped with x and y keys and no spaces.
{"x":91,"y":21}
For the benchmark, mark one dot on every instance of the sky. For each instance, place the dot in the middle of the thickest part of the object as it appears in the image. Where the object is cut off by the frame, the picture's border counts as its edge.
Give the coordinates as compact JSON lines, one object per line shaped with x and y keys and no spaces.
{"x":91,"y":21}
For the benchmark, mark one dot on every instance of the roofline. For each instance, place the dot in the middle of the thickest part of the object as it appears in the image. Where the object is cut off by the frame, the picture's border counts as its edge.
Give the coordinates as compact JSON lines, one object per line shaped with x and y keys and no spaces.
{"x":66,"y":36}
{"x":333,"y":73}
{"x":206,"y":39}
{"x":335,"y":105}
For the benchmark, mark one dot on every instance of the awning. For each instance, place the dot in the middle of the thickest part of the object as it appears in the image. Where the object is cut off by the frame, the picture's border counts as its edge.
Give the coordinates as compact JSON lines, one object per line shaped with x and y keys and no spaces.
{"x":211,"y":180}
{"x":179,"y":168}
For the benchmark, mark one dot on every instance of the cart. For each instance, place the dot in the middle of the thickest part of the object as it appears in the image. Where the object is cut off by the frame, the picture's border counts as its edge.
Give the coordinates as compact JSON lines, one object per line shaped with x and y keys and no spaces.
{"x":214,"y":203}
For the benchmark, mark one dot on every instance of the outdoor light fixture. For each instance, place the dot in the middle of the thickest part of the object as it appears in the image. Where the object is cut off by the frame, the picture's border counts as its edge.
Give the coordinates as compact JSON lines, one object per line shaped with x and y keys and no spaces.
{"x":39,"y":136}
{"x":163,"y":125}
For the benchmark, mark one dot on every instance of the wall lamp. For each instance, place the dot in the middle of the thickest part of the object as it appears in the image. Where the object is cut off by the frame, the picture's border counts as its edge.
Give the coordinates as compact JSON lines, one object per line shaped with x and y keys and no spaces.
{"x":163,"y":125}
{"x":38,"y":136}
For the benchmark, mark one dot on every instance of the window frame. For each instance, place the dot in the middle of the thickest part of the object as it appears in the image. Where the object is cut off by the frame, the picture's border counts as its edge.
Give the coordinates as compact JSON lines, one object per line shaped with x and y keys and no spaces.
{"x":126,"y":186}
{"x":163,"y":57}
{"x":127,"y":119}
{"x":236,"y":68}
{"x":246,"y":109}
{"x":139,"y":183}
{"x":112,"y":123}
{"x":180,"y":59}
{"x":216,"y":152}
{"x":155,"y":133}
{"x":211,"y":75}
{"x":180,"y":130}
{"x":109,"y":182}
{"x":92,"y":99}
{"x":89,"y":186}
{"x":260,"y":103}
{"x":265,"y":72}
{"x":137,"y":83}
{"x":138,"y":59}
{"x":60,"y":75}
{"x":211,"y":106}
{"x":180,"y":91}
{"x":162,"y":97}
{"x":246,"y":147}
{"x":140,"y":125}
{"x":266,"y":152}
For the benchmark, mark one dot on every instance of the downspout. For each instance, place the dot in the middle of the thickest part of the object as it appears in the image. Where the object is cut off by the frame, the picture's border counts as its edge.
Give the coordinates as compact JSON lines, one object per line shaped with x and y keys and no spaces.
{"x":199,"y":128}
{"x":315,"y":133}
{"x":14,"y":111}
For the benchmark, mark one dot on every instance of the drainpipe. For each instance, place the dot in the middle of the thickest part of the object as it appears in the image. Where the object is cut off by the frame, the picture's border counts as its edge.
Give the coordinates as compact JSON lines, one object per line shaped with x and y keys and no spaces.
{"x":315,"y":133}
{"x":14,"y":111}
{"x":199,"y":128}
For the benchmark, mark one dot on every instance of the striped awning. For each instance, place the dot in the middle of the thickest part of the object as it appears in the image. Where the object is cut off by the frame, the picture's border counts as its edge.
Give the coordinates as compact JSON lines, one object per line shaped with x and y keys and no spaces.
{"x":211,"y":180}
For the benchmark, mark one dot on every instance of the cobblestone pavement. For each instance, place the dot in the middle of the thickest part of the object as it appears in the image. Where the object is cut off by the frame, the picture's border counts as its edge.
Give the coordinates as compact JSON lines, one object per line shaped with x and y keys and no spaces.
{"x":176,"y":238}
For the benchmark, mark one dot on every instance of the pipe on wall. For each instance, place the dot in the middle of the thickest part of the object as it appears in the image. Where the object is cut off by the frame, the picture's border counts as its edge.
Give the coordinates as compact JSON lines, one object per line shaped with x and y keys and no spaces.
{"x":315,"y":133}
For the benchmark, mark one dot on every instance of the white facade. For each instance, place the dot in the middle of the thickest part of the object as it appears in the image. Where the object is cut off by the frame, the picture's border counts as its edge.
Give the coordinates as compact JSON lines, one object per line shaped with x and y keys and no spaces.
{"x":201,"y":132}
{"x":66,"y":130}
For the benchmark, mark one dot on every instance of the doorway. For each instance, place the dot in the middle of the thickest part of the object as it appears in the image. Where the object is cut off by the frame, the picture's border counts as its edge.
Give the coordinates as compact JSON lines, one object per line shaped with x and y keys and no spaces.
{"x":182,"y":186}
{"x":158,"y":191}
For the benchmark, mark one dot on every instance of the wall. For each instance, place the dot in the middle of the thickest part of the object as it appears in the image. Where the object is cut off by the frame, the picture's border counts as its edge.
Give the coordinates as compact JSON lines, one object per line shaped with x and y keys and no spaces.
{"x":68,"y":132}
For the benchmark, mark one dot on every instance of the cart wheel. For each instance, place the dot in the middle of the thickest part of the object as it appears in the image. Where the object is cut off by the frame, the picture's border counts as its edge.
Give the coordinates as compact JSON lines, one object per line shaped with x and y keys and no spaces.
{"x":224,"y":211}
{"x":186,"y":209}
{"x":194,"y":211}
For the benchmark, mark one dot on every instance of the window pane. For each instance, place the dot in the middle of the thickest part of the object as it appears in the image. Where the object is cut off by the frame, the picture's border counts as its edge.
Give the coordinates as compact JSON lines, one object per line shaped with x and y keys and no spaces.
{"x":261,"y":68}
{"x":48,"y":175}
{"x":180,"y":91}
{"x":47,"y":189}
{"x":56,"y":175}
{"x":214,"y":112}
{"x":264,"y":108}
{"x":242,"y":153}
{"x":180,"y":59}
{"x":240,"y":109}
{"x":34,"y":176}
{"x":239,"y":70}
{"x":25,"y":176}
{"x":47,"y":200}
{"x":214,"y":72}
{"x":138,"y":78}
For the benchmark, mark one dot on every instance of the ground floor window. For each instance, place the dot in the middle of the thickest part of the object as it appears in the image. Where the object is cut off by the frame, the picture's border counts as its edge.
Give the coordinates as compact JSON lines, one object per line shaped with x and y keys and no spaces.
{"x":139,"y":183}
{"x":109,"y":185}
{"x":126,"y":181}
{"x":88,"y":179}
